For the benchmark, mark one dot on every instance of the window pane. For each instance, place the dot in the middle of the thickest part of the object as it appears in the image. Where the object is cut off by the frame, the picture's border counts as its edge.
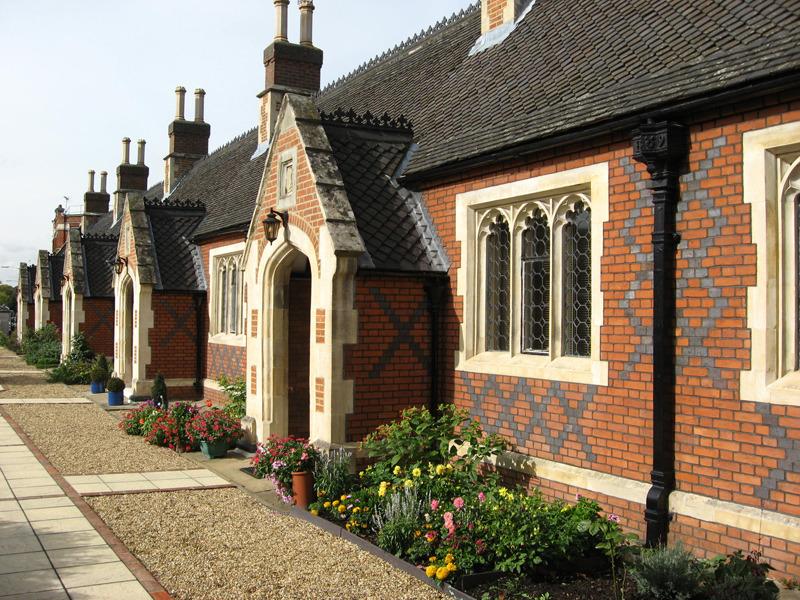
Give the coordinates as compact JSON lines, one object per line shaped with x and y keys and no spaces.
{"x":577,"y":283}
{"x":498,"y":286}
{"x":536,"y":286}
{"x":797,"y":280}
{"x":223,"y":300}
{"x":233,"y":308}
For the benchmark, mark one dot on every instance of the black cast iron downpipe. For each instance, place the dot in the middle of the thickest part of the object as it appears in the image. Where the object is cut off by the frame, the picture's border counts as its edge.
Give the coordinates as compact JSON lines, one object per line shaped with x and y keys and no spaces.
{"x":199,"y":301}
{"x":434,"y":289}
{"x":662,"y":147}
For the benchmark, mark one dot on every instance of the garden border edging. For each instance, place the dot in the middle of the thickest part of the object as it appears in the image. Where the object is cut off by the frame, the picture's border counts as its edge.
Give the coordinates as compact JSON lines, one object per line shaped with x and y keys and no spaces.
{"x":398,"y":563}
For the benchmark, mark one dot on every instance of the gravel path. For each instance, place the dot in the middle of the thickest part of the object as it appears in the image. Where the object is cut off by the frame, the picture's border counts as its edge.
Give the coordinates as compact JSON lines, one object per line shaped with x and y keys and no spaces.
{"x":222,"y":544}
{"x":83,"y":439}
{"x":218,"y":544}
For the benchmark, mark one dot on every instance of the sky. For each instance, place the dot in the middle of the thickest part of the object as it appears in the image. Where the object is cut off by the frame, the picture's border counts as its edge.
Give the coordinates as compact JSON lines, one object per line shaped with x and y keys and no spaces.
{"x":77,"y":77}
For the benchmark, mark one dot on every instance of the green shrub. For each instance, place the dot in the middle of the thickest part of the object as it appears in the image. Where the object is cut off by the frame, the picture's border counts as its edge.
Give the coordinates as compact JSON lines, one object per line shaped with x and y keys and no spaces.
{"x":9,"y":340}
{"x":668,"y":573}
{"x":79,"y":349}
{"x":115,"y":384}
{"x":102,"y":362}
{"x":42,"y":347}
{"x":332,"y":476}
{"x":236,"y":390}
{"x":139,"y":421}
{"x":420,"y":438}
{"x":158,"y":391}
{"x":70,"y":373}
{"x":98,"y":374}
{"x":736,"y":577}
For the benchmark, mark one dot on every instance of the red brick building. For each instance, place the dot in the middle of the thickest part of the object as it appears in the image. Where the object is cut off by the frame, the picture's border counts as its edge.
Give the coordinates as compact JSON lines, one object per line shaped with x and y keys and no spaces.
{"x":578,"y":221}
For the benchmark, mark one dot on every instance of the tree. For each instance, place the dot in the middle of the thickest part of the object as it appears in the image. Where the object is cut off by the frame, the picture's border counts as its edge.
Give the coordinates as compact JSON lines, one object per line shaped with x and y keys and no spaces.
{"x":8,"y":296}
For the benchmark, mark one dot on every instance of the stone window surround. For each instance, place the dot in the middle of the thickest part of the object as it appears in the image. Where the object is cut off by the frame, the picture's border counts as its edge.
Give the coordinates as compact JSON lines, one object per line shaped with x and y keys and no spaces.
{"x":287,"y":158}
{"x":593,"y":181}
{"x":217,"y":257}
{"x":771,"y":161}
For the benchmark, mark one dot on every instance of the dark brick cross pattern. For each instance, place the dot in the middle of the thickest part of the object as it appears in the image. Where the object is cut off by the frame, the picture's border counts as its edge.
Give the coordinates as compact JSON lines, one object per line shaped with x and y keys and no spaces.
{"x":104,"y":317}
{"x":404,"y":334}
{"x":179,"y":322}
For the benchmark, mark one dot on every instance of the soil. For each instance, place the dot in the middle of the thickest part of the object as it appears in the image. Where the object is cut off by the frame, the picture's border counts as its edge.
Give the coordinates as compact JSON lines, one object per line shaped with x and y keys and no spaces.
{"x":577,"y":587}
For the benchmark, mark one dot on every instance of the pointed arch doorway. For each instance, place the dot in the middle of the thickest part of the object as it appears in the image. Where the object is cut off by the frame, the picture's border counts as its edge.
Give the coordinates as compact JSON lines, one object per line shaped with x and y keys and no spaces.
{"x":287,"y":345}
{"x":125,"y":366}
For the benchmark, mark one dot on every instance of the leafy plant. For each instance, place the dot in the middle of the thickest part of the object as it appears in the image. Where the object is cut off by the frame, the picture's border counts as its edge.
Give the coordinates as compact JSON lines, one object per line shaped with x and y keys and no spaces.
{"x":615,"y":545}
{"x":790,"y":584}
{"x":79,"y":349}
{"x":736,"y":577}
{"x":70,"y":373}
{"x":169,"y":428}
{"x":278,"y":457}
{"x":158,"y":391}
{"x":400,"y":519}
{"x":214,"y":426}
{"x":236,"y":390}
{"x":43,"y":346}
{"x":332,"y":474}
{"x":668,"y":573}
{"x":139,"y":421}
{"x":419,"y":438}
{"x":115,"y":385}
{"x":98,"y":374}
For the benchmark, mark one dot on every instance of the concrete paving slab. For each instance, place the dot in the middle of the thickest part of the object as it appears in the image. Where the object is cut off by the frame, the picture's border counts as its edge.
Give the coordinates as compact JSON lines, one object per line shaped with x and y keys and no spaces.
{"x":72,"y":539}
{"x":29,"y":581}
{"x":95,"y":574}
{"x":61,"y":526}
{"x":45,"y":502}
{"x":131,"y":590}
{"x":25,"y":561}
{"x":53,"y":513}
{"x":88,"y":555}
{"x":20,"y":544}
{"x":48,"y":595}
{"x":38,"y":492}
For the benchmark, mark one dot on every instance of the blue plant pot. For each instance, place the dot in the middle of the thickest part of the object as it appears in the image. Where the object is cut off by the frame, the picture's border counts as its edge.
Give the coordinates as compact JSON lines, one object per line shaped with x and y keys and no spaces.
{"x":115,"y":398}
{"x":98,"y":387}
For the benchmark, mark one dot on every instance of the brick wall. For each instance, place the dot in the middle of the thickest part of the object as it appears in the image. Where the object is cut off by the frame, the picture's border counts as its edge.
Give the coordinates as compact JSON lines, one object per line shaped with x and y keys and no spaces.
{"x":55,"y":314}
{"x":390,"y":362}
{"x":98,"y":326}
{"x":173,"y":339}
{"x":728,"y":449}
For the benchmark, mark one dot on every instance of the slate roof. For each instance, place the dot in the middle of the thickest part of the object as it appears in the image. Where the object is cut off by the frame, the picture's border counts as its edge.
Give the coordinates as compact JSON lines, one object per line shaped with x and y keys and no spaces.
{"x":56,"y":271}
{"x":99,"y":252}
{"x":29,"y":282}
{"x":392,"y":231}
{"x":177,"y":259}
{"x":227,"y":182}
{"x":567,"y":66}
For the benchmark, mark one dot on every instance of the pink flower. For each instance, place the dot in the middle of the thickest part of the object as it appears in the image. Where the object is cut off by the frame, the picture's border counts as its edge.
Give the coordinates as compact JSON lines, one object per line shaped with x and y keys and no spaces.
{"x":613,"y":517}
{"x":430,"y":536}
{"x":458,"y":503}
{"x":482,"y":497}
{"x":578,"y":496}
{"x":434,"y":504}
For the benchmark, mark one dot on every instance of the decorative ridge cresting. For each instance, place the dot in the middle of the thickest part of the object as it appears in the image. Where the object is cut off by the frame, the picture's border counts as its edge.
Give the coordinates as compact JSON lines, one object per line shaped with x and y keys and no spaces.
{"x":169,"y":203}
{"x":100,"y":237}
{"x":419,"y":37}
{"x":351,"y":117}
{"x":238,"y":138}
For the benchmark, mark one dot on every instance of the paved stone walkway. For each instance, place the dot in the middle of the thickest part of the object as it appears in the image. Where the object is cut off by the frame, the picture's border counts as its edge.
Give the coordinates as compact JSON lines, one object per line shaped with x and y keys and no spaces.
{"x":53,"y":546}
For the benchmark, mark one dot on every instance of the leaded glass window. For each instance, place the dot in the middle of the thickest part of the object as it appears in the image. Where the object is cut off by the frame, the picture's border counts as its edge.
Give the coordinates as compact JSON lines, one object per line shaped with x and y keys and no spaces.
{"x":234,"y":299}
{"x":577,"y":240}
{"x":498,"y":286}
{"x":223,"y":298}
{"x":536,"y":286}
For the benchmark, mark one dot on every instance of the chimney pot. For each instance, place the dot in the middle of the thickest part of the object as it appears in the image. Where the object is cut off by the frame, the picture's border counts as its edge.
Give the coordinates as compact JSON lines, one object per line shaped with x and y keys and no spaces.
{"x":199,"y":96}
{"x":180,"y":95}
{"x":281,"y":20}
{"x":103,"y":177}
{"x":140,"y":157}
{"x":91,"y":181}
{"x":126,"y":150}
{"x":306,"y":22}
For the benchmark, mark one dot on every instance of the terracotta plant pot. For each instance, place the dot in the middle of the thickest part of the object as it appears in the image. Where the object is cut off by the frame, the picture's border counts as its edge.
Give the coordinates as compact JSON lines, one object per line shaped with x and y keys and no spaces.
{"x":303,"y":489}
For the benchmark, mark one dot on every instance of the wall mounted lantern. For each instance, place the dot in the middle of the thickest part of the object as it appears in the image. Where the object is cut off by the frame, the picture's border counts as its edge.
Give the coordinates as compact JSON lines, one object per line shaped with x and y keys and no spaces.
{"x":272,"y":224}
{"x":120,"y":265}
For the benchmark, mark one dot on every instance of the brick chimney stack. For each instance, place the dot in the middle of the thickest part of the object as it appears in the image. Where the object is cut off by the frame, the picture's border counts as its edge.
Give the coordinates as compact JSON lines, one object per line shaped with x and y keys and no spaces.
{"x":95,"y":204}
{"x":130,"y":178}
{"x":290,"y":68}
{"x":188,"y":140}
{"x":495,"y":13}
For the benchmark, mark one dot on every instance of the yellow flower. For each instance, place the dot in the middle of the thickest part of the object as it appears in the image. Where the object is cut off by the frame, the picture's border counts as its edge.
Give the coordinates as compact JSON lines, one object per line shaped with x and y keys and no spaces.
{"x":342,"y":508}
{"x":416,"y":472}
{"x":314,"y":512}
{"x":398,"y":470}
{"x":356,"y":509}
{"x":452,"y":567}
{"x":502,"y":491}
{"x":343,"y":498}
{"x":361,"y":475}
{"x":432,"y":559}
{"x":326,"y":505}
{"x":382,"y":492}
{"x":431,"y":571}
{"x":335,"y":503}
{"x":449,"y":558}
{"x":320,"y":493}
{"x":440,"y":469}
{"x":408,"y":483}
{"x":417,"y":533}
{"x":348,"y":526}
{"x":442,"y":573}
{"x":449,"y":468}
